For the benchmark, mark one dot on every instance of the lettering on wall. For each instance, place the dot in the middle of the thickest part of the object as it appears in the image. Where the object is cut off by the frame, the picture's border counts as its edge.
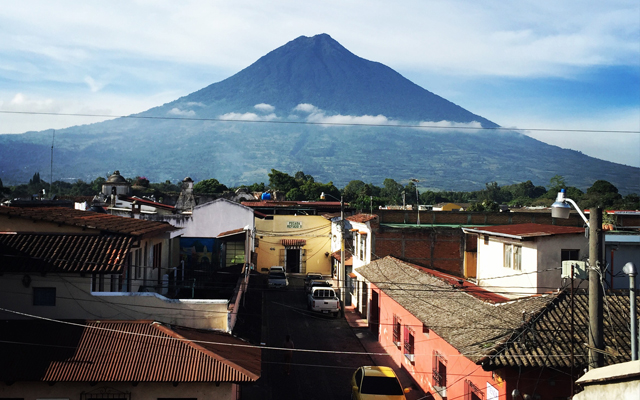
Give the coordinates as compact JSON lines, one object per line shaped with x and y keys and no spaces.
{"x":294,"y":224}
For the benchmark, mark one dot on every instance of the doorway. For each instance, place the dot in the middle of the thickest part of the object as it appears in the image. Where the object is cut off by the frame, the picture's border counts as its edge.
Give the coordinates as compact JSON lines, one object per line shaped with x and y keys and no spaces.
{"x":374,"y":323}
{"x":293,"y":261}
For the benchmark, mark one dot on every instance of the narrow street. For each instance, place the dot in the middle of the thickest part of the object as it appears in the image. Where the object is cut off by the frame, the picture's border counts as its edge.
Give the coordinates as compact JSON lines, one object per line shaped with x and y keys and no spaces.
{"x":312,"y":375}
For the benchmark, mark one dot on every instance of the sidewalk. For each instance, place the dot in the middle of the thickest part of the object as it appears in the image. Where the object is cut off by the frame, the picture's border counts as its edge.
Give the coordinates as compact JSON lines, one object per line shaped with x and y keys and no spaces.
{"x":371,"y":345}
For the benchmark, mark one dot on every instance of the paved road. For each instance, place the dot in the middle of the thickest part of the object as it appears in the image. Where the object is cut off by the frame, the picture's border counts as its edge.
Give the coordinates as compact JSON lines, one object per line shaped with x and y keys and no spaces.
{"x":312,"y":375}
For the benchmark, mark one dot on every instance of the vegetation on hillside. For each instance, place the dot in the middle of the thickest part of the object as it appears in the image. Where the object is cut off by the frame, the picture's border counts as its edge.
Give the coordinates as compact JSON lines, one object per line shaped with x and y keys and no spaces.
{"x":360,"y":195}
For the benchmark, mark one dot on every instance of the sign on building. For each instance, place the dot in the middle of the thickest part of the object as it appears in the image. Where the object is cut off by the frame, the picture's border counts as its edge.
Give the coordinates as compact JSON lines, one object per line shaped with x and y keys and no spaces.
{"x":294,"y":225}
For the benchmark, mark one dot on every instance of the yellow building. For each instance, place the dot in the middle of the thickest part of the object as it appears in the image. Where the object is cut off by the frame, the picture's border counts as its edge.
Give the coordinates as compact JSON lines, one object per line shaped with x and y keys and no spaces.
{"x":300,"y":243}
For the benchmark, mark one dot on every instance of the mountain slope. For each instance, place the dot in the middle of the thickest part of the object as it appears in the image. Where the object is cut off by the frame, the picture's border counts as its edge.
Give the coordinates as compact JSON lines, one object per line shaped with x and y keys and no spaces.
{"x":164,"y":143}
{"x":319,"y":71}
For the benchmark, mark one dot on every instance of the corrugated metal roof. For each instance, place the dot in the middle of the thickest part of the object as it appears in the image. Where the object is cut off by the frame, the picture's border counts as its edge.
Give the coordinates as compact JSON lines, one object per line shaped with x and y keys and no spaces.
{"x":89,"y":220}
{"x":123,"y":351}
{"x":361,"y":217}
{"x":522,"y":231}
{"x":63,"y":253}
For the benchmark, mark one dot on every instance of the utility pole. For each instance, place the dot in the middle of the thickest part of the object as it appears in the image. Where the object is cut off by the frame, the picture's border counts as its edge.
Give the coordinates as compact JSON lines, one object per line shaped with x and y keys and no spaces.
{"x":596,"y":338}
{"x":342,"y":274}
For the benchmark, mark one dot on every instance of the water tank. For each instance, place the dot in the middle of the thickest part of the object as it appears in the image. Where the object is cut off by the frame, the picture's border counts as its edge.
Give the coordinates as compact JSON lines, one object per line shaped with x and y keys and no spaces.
{"x":265,"y":196}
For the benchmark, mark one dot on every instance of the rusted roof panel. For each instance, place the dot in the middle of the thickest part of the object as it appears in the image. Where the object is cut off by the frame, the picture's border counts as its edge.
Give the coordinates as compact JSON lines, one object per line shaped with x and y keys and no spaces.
{"x":361,"y":217}
{"x":63,"y":253}
{"x":124,"y":351}
{"x":527,"y":230}
{"x":88,"y":219}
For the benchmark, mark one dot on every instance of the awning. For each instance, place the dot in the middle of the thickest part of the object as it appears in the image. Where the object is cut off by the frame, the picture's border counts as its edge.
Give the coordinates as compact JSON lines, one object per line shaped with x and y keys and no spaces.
{"x":336,"y":255}
{"x":352,"y":275}
{"x":293,"y":242}
{"x":363,"y":233}
{"x":235,"y":232}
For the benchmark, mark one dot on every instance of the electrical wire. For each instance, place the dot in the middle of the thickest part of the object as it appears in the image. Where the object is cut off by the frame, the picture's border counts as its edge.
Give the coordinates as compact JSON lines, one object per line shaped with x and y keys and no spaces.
{"x":390,"y":125}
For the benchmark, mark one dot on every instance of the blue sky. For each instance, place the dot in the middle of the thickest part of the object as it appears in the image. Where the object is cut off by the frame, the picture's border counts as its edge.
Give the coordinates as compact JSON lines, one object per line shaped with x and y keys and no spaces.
{"x":571,"y":65}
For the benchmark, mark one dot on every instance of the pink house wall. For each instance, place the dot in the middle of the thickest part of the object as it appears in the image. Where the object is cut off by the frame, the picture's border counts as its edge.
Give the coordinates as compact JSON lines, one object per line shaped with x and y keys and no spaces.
{"x":547,"y":383}
{"x":460,"y":369}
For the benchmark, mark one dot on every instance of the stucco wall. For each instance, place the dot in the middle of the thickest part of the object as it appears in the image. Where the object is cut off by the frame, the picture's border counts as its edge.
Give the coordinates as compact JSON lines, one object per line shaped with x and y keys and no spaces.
{"x":141,"y":391}
{"x":315,"y":230}
{"x":211,"y":219}
{"x":459,"y":368}
{"x":492,"y":274}
{"x":541,"y":263}
{"x":74,"y":300}
{"x":27,"y":226}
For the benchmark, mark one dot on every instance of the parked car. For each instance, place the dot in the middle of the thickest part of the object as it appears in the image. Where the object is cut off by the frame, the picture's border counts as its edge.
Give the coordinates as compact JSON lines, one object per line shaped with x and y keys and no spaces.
{"x":311,"y":276}
{"x":371,"y":382}
{"x":277,"y":268}
{"x":277,"y":280}
{"x":318,"y":283}
{"x":324,"y":300}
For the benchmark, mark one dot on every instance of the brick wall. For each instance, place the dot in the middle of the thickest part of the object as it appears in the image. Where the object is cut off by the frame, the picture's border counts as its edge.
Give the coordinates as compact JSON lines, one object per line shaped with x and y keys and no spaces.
{"x":440,"y":248}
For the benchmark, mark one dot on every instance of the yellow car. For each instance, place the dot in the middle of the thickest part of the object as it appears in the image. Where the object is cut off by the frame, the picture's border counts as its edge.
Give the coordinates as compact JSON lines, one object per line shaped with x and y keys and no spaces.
{"x":376,"y":383}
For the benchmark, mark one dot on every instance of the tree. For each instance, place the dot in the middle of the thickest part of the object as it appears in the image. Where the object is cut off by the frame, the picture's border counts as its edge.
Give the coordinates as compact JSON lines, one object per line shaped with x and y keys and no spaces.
{"x":281,"y":181}
{"x":209,"y":186}
{"x":96,"y":185}
{"x":392,"y":192}
{"x":353,"y":190}
{"x":602,"y":193}
{"x":4,"y":190}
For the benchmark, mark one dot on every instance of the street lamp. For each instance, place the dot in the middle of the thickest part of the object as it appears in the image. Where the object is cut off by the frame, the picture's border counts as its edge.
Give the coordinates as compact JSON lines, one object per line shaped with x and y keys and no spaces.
{"x":560,"y":209}
{"x":342,"y":271}
{"x":630,"y":269}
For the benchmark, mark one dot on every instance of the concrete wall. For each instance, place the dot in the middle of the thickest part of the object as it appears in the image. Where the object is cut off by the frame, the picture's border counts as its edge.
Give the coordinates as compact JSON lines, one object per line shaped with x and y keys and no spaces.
{"x":27,"y":226}
{"x":549,"y":256}
{"x":74,"y":300}
{"x":141,"y":391}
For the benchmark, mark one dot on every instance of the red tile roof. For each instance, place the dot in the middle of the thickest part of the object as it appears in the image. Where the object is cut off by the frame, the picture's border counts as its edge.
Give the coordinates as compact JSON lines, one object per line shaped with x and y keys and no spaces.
{"x":63,"y":253}
{"x":122,"y":351}
{"x":89,"y":220}
{"x":522,"y":231}
{"x":362,"y":217}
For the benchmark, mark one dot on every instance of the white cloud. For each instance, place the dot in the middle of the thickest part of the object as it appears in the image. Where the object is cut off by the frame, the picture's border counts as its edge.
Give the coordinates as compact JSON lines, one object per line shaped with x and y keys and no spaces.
{"x":93,"y":85}
{"x":263,"y":107}
{"x":473,"y":126}
{"x":248,"y":117}
{"x":182,"y":113}
{"x":305,"y":107}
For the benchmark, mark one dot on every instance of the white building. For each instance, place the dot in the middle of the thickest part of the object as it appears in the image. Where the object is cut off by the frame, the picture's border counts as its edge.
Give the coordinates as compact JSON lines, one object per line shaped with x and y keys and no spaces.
{"x":524,"y":259}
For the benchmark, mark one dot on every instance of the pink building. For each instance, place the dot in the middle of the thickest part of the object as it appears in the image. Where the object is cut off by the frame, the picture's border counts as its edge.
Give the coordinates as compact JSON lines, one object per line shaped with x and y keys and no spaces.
{"x":459,"y":341}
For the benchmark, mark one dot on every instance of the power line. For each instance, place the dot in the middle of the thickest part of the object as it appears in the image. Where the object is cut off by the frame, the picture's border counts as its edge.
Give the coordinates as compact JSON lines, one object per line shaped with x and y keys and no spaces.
{"x":499,"y":128}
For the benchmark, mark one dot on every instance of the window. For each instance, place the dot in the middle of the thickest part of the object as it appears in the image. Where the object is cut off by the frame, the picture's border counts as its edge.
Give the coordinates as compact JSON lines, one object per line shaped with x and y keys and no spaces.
{"x":570,"y":254}
{"x":486,"y":239}
{"x":472,"y":392}
{"x":44,"y":296}
{"x":363,"y":246}
{"x":234,"y":253}
{"x":512,"y":256}
{"x":409,"y":349}
{"x":396,"y":330}
{"x":439,"y":370}
{"x":425,"y":329}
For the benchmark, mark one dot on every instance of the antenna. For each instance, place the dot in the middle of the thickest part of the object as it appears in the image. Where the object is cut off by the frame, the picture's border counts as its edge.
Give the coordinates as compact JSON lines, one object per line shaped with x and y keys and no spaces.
{"x":51,"y":181}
